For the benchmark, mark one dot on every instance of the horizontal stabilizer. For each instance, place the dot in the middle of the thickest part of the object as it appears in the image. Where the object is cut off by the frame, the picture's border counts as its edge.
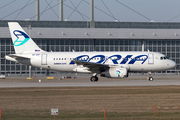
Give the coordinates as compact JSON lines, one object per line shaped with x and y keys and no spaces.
{"x":17,"y":56}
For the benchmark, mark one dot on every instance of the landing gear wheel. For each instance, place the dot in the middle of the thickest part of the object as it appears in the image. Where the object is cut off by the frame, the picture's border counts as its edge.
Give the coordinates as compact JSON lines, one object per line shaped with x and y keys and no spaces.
{"x":94,"y":79}
{"x":150,"y":78}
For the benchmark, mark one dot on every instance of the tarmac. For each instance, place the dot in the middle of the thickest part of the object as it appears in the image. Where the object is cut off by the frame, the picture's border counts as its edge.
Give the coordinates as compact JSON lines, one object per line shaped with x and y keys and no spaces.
{"x":83,"y":81}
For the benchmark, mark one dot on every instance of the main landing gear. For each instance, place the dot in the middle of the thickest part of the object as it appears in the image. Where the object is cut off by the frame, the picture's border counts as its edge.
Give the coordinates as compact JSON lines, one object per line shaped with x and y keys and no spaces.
{"x":94,"y":79}
{"x":150,"y":77}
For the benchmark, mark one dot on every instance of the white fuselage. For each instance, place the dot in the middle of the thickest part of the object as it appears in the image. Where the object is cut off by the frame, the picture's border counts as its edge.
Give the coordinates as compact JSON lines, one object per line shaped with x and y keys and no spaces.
{"x":133,"y":61}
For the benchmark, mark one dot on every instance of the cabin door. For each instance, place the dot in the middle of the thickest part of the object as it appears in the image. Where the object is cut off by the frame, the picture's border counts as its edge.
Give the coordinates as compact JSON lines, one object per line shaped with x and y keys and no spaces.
{"x":151,"y":58}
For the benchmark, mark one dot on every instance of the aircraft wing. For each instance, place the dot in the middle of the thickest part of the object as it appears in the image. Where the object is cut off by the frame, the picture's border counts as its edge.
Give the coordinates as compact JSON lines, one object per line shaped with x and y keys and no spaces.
{"x":91,"y":65}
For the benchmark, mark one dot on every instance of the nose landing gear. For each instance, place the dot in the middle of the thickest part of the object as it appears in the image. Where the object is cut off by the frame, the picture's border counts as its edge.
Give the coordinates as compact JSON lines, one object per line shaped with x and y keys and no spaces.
{"x":150,"y":77}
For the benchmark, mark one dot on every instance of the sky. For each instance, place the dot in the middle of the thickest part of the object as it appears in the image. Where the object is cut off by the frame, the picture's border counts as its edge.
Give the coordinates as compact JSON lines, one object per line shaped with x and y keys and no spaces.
{"x":105,"y":10}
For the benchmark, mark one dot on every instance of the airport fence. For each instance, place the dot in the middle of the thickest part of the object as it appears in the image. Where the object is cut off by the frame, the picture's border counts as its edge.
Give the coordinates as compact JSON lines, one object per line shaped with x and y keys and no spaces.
{"x":103,"y":113}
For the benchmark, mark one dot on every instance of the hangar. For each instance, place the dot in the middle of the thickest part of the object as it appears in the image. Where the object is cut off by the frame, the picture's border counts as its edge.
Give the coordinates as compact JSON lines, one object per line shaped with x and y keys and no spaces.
{"x":102,"y":36}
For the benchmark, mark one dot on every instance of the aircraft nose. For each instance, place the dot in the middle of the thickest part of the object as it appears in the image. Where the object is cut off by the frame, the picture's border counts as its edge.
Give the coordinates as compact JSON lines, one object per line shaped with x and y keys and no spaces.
{"x":173,"y":64}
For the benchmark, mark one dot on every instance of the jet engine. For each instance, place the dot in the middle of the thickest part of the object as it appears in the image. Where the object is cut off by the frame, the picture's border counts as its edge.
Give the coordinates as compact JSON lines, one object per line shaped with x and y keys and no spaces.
{"x":114,"y":72}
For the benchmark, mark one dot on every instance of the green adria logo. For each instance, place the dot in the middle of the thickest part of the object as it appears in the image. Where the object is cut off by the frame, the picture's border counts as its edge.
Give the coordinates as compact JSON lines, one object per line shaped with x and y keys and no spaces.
{"x":22,"y":38}
{"x":118,"y":72}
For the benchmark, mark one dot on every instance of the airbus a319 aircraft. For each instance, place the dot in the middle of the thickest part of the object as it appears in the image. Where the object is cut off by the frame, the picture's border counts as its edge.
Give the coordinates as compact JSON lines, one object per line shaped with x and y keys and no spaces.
{"x":107,"y":64}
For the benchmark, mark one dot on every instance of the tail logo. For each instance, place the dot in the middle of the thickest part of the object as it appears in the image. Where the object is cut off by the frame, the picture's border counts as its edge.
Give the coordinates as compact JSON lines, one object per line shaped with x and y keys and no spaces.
{"x":22,"y":38}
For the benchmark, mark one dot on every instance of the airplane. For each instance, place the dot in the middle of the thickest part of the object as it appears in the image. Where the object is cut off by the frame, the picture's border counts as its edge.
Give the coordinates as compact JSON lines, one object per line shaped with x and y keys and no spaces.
{"x":106,"y":64}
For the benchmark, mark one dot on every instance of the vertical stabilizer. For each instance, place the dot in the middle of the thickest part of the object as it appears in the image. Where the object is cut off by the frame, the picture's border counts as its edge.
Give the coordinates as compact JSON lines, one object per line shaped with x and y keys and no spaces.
{"x":21,"y":41}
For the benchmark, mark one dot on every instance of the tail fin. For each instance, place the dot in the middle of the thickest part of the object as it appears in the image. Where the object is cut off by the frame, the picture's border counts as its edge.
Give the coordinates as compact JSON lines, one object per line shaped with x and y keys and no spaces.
{"x":21,"y":41}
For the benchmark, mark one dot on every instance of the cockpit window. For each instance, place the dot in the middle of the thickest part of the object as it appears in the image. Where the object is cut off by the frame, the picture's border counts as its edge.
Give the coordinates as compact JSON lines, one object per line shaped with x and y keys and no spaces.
{"x":164,"y":58}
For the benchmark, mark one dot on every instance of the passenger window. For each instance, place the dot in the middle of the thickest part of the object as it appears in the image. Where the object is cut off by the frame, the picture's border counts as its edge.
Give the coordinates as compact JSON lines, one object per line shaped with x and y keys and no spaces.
{"x":59,"y":58}
{"x":54,"y":58}
{"x":161,"y":58}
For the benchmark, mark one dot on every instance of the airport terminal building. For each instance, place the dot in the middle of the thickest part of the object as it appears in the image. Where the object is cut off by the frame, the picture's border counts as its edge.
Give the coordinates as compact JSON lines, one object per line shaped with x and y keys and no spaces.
{"x":66,"y":36}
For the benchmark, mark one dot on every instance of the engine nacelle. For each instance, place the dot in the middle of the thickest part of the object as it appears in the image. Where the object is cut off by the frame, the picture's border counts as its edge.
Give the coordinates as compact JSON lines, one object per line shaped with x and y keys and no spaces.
{"x":114,"y":72}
